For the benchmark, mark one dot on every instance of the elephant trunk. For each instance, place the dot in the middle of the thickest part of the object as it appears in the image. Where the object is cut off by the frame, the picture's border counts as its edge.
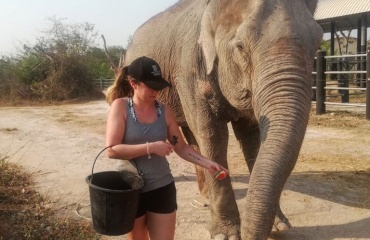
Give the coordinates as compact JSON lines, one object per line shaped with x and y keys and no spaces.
{"x":281,"y":99}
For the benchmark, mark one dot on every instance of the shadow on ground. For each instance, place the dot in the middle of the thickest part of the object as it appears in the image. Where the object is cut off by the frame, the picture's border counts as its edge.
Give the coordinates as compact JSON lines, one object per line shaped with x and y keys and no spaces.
{"x":349,"y":188}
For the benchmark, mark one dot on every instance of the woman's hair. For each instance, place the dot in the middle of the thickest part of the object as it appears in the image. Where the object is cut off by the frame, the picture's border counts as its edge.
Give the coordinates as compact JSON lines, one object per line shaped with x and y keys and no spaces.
{"x":121,"y":86}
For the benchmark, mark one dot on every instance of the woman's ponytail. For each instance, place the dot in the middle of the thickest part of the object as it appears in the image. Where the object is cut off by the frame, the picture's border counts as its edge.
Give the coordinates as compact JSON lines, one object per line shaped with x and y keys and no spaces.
{"x":121,"y":86}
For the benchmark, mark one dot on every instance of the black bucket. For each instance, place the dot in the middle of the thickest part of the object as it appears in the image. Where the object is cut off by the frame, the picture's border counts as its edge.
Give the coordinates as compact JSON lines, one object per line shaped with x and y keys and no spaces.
{"x":114,"y":198}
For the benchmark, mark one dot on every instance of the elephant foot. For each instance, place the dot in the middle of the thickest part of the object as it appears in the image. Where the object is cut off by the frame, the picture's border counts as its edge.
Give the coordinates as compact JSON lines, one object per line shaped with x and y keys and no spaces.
{"x":223,"y":237}
{"x":281,"y":223}
{"x":225,"y":231}
{"x":281,"y":226}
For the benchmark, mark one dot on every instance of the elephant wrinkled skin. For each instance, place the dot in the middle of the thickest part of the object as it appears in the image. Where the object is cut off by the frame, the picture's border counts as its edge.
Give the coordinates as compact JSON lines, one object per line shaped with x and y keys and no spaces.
{"x":247,"y":62}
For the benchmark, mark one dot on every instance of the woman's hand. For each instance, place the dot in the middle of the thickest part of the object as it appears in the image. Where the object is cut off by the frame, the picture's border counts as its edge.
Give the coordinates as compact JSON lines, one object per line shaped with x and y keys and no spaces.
{"x":160,"y":148}
{"x":214,"y":168}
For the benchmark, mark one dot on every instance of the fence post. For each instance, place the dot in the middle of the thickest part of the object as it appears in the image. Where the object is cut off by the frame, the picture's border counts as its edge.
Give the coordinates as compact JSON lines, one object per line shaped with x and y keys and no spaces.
{"x":320,"y":82}
{"x":343,"y":80}
{"x":363,"y":75}
{"x":368,"y":84}
{"x":101,"y":84}
{"x":314,"y":77}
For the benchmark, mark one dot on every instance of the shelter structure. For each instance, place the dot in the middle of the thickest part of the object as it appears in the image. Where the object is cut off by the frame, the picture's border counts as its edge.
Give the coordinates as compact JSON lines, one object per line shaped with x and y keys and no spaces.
{"x":336,"y":15}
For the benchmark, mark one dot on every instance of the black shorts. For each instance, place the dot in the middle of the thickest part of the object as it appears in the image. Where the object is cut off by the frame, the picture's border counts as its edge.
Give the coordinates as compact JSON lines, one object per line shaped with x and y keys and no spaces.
{"x":161,"y":200}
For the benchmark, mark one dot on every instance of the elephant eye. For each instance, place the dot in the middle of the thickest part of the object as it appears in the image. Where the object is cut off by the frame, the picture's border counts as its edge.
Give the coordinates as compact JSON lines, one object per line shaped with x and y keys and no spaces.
{"x":239,"y":46}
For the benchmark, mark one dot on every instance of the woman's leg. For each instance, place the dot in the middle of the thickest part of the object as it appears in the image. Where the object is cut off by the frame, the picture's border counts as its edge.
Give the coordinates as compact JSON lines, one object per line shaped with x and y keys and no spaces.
{"x":161,"y":226}
{"x":140,"y":231}
{"x":161,"y":212}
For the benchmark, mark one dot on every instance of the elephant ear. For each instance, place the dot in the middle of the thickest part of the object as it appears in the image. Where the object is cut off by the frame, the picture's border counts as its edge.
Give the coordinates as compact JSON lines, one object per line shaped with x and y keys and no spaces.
{"x":206,"y":40}
{"x":311,"y":5}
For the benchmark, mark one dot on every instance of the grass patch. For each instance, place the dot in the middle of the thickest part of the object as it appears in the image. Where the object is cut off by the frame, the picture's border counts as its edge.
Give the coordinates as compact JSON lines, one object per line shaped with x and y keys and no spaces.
{"x":25,"y":214}
{"x":339,"y":119}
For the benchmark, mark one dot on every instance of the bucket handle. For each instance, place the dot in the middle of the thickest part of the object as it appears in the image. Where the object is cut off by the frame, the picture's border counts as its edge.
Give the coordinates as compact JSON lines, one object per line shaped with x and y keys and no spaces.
{"x":92,"y":170}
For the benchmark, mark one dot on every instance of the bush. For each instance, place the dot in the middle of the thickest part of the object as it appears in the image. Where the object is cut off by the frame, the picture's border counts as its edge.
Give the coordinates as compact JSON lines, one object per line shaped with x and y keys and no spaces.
{"x":62,"y":65}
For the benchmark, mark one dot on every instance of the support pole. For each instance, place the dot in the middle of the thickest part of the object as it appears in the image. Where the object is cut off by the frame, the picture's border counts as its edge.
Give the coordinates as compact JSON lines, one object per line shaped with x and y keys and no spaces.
{"x":368,"y":84}
{"x":343,"y":81}
{"x":320,"y":82}
{"x":314,"y":77}
{"x":333,"y":65}
{"x":363,"y":46}
{"x":358,"y":59}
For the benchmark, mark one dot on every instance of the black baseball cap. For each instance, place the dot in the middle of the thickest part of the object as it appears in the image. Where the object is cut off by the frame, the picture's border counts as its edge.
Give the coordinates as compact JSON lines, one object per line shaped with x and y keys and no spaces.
{"x":147,"y":70}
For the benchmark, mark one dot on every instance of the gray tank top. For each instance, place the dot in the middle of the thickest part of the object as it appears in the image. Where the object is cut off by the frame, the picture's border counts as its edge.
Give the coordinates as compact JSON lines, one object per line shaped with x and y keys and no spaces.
{"x":155,"y":171}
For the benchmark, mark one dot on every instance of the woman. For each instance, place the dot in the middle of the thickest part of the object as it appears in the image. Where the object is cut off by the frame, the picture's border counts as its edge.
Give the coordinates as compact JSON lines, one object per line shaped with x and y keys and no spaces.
{"x":138,"y":128}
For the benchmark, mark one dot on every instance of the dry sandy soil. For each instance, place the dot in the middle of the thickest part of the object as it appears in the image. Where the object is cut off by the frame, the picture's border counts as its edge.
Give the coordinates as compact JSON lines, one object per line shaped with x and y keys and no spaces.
{"x":326,"y":197}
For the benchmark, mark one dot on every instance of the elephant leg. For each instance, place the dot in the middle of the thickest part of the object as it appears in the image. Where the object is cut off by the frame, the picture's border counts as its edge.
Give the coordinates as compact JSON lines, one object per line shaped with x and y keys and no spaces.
{"x":212,"y":137}
{"x":201,"y":179}
{"x":247,"y":132}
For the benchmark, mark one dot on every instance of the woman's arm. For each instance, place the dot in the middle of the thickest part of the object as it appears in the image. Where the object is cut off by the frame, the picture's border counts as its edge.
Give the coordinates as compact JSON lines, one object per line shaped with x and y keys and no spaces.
{"x":184,"y":150}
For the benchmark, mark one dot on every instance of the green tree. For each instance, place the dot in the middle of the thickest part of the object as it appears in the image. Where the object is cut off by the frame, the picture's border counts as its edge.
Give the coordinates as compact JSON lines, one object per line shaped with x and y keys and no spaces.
{"x":7,"y":65}
{"x":98,"y":62}
{"x":325,"y":46}
{"x":32,"y":68}
{"x":61,"y":65}
{"x":56,"y":67}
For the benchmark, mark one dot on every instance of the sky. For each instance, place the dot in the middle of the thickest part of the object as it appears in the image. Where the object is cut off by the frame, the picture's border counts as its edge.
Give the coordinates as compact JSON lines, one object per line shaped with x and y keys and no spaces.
{"x":21,"y":21}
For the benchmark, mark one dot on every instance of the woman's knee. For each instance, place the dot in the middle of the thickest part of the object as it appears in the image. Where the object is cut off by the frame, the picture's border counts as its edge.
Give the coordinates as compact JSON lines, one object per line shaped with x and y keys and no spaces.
{"x":161,"y":226}
{"x":140,"y":230}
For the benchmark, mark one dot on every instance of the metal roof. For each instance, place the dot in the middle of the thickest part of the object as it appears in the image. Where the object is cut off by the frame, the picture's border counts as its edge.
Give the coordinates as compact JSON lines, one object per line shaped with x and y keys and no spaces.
{"x":345,"y":13}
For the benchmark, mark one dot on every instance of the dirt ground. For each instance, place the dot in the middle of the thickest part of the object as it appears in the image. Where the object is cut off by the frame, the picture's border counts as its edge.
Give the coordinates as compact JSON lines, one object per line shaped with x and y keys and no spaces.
{"x":326,"y":197}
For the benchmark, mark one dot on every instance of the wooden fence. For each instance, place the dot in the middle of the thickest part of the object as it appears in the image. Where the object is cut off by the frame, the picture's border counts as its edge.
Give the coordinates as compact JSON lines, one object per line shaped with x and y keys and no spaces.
{"x":103,"y":83}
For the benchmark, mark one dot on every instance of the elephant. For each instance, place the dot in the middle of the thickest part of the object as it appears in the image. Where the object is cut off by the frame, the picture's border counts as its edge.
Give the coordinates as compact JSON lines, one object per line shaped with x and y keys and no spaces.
{"x":247,"y":63}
